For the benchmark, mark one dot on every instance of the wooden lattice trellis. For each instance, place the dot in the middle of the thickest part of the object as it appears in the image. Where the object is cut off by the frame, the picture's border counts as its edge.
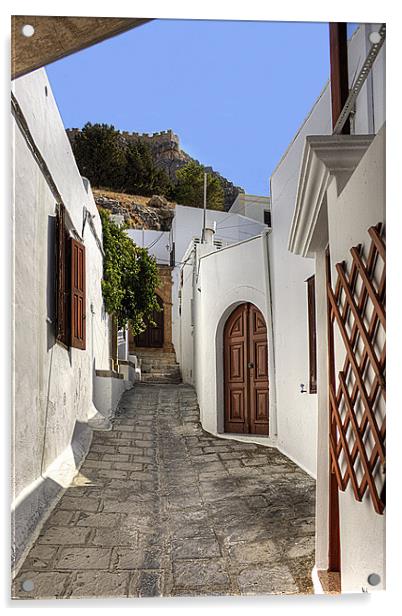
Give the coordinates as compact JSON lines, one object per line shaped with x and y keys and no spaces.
{"x":357,"y":394}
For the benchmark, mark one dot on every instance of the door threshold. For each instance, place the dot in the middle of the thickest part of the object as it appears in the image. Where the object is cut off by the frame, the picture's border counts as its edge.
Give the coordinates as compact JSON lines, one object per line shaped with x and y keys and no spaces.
{"x":258,"y":439}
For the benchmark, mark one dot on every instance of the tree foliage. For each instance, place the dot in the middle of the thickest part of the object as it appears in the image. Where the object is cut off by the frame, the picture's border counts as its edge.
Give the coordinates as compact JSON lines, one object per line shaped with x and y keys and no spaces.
{"x":143,"y":177}
{"x":100,"y":155}
{"x":130,"y":278}
{"x":189,"y":189}
{"x":108,"y":161}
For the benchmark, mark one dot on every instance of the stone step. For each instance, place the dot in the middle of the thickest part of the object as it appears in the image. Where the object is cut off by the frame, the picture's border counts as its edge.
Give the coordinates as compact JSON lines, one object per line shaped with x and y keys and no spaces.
{"x":158,"y":362}
{"x":168,"y":373}
{"x":152,"y":355}
{"x":147,"y":377}
{"x":159,"y":367}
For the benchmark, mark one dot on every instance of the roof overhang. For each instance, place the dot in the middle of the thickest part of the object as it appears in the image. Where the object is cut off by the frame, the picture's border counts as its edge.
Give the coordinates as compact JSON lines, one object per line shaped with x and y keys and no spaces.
{"x":57,"y":37}
{"x":324,"y":158}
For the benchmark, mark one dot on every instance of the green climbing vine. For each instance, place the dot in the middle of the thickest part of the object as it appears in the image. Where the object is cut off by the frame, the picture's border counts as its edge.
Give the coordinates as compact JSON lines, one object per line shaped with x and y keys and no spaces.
{"x":130,"y":278}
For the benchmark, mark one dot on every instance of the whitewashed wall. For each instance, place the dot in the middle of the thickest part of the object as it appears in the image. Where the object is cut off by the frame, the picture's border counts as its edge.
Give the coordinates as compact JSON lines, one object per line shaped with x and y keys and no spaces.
{"x":362,"y":204}
{"x":53,"y":386}
{"x":187,"y":224}
{"x":252,"y":206}
{"x":186,"y":316}
{"x":349,"y":215}
{"x":297,"y":413}
{"x":370,"y":104}
{"x":226,"y":278}
{"x":156,"y":242}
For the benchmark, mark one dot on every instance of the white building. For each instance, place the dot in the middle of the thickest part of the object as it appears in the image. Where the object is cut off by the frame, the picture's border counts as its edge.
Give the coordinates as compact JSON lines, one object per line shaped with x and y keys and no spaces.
{"x":326,"y":192}
{"x":246,"y":306}
{"x":63,"y":386}
{"x":256,"y":207}
{"x":170,"y":247}
{"x":214,"y":285}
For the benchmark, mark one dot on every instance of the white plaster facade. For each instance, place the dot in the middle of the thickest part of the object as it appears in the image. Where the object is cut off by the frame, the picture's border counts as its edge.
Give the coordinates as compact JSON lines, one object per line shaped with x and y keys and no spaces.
{"x":265,"y":271}
{"x":230,"y":228}
{"x":298,"y":412}
{"x":54,"y":386}
{"x":340,"y":194}
{"x":252,"y":206}
{"x":356,"y":193}
{"x":214,"y":283}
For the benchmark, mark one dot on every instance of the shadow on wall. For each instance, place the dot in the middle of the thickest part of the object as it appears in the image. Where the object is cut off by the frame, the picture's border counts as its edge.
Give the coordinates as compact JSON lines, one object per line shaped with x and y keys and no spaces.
{"x":32,"y":509}
{"x":29,"y":514}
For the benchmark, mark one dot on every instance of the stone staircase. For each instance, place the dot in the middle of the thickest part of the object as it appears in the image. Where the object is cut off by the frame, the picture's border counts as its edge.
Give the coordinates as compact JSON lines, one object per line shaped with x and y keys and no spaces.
{"x":158,"y":366}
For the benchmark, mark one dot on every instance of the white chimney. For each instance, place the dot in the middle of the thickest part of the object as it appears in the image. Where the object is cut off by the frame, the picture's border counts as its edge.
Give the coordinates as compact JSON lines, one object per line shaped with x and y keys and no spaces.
{"x":209,"y":233}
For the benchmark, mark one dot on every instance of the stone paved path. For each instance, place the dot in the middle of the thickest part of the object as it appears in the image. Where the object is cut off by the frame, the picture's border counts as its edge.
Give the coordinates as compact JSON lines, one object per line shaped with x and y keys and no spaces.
{"x":161,"y":507}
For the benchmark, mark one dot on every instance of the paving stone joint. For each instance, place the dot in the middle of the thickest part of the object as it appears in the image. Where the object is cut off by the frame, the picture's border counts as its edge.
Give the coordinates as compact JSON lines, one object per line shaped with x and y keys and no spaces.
{"x":162,"y":508}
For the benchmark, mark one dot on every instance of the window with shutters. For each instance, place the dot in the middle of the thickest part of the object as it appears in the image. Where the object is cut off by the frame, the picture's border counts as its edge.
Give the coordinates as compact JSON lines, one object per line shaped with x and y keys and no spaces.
{"x":312,"y":336}
{"x":70,"y":286}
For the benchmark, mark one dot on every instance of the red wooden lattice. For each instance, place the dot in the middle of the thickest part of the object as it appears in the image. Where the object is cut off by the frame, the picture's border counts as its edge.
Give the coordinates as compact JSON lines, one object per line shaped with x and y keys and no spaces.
{"x":357,"y":398}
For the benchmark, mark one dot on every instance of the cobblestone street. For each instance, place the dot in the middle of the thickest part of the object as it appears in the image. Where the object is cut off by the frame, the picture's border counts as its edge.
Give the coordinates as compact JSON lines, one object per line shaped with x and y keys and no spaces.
{"x":161,"y":507}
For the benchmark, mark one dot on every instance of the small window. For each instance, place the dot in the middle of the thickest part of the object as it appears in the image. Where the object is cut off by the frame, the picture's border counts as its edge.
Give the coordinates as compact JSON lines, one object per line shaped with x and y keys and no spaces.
{"x":312,"y":335}
{"x":267,"y":217}
{"x":70,"y":286}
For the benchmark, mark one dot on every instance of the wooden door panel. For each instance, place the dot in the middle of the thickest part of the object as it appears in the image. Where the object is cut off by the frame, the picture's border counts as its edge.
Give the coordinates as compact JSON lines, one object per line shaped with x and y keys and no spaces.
{"x":236,"y":329}
{"x":235,"y":371}
{"x":153,"y":335}
{"x":236,"y":363}
{"x":236,"y":405}
{"x":246,"y":371}
{"x":261,"y":361}
{"x":258,"y":377}
{"x":258,"y":323}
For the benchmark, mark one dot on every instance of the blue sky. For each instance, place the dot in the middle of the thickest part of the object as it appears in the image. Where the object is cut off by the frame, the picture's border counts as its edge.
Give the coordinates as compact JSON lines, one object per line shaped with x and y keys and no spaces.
{"x":234,"y":92}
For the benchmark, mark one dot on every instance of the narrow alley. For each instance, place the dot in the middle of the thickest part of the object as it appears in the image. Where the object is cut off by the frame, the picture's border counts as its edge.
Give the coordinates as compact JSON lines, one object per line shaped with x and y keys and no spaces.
{"x":162,"y":508}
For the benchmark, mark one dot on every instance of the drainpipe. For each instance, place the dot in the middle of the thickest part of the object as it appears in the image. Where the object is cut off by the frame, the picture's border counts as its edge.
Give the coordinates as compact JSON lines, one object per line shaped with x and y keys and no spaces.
{"x":271,"y":346}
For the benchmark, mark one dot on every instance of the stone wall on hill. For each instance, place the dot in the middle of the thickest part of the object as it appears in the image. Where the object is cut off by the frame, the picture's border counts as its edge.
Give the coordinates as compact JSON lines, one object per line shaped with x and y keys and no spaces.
{"x":166,"y":150}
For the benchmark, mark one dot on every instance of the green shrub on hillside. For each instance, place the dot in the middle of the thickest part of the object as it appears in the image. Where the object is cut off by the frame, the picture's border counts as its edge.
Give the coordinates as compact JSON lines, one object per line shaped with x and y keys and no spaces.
{"x":130,"y":278}
{"x":189,"y":189}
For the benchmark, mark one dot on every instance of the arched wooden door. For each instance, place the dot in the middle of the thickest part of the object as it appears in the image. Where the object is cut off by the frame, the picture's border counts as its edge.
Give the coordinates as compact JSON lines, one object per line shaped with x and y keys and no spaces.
{"x":246,"y":372}
{"x":153,"y":335}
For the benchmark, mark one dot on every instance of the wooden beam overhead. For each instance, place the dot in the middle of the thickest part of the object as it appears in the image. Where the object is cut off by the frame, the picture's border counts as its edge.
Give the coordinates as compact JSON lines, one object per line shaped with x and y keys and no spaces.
{"x":338,"y":46}
{"x":57,"y":37}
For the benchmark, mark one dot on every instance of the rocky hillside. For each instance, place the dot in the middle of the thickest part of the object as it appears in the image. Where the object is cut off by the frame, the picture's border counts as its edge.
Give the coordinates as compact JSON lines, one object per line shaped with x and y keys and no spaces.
{"x":138,"y":212}
{"x":169,"y":156}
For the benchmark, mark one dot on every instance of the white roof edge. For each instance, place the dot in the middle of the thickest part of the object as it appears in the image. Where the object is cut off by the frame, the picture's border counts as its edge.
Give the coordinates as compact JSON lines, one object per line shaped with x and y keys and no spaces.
{"x":250,"y":239}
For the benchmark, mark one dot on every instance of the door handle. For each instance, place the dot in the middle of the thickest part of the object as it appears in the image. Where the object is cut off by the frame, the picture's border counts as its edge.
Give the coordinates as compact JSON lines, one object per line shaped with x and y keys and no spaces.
{"x":250,"y":365}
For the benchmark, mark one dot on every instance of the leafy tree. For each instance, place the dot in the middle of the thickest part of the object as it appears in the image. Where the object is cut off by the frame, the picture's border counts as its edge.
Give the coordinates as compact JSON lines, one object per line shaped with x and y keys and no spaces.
{"x":142,"y":176}
{"x":130,"y":278}
{"x":189,"y":189}
{"x":100,"y":155}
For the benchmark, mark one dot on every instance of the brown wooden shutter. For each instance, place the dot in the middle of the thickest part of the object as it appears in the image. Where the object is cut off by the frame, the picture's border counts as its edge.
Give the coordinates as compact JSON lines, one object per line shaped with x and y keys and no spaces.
{"x":78,"y":298}
{"x":312,"y":335}
{"x":61,"y":313}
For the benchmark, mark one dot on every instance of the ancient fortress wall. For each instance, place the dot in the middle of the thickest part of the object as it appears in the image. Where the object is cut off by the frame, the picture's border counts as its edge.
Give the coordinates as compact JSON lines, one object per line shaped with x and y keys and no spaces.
{"x":165,"y":147}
